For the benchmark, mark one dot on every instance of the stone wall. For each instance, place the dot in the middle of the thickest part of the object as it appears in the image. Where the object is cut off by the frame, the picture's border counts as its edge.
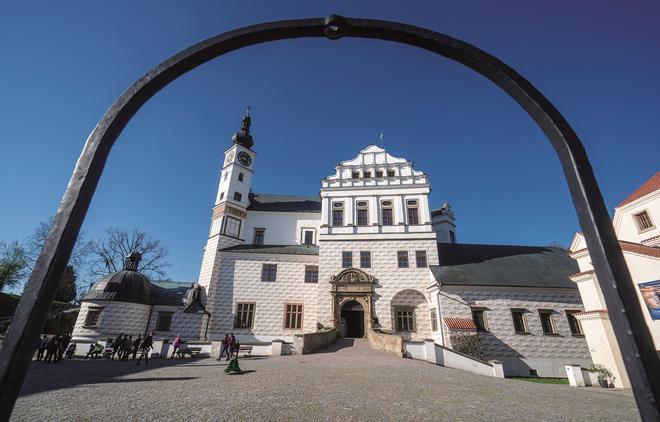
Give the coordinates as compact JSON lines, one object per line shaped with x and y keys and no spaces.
{"x":115,"y":318}
{"x":190,"y":326}
{"x":307,"y":343}
{"x":386,"y":342}
{"x":521,"y":352}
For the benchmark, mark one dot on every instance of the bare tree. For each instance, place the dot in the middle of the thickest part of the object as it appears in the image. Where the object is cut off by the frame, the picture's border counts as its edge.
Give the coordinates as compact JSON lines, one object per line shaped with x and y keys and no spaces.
{"x":35,"y":244}
{"x":13,"y":264}
{"x":107,"y":254}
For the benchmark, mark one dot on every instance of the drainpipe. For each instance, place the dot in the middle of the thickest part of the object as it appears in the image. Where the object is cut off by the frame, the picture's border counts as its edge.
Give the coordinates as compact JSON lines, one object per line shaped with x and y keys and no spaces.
{"x":442,"y":328}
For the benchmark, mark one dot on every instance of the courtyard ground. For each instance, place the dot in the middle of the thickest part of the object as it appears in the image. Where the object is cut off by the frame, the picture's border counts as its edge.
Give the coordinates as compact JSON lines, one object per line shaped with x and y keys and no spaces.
{"x":348,"y":381}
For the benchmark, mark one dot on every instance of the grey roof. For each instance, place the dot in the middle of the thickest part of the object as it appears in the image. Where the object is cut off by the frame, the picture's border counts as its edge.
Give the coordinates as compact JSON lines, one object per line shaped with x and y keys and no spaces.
{"x":275,"y":249}
{"x":122,"y":286}
{"x":284,"y":203}
{"x":504,"y":265}
{"x":168,"y":292}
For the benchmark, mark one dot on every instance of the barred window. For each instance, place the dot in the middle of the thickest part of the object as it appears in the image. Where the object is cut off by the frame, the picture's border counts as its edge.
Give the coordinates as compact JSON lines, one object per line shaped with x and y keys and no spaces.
{"x":268,"y":272}
{"x":293,"y":316}
{"x":402,"y":259}
{"x":644,"y":221}
{"x":244,"y":315}
{"x":405,"y":319}
{"x":93,"y":317}
{"x":164,"y":321}
{"x":311,"y":274}
{"x":547,"y":321}
{"x":347,"y":259}
{"x":365,"y":259}
{"x":420,"y":258}
{"x":574,"y":324}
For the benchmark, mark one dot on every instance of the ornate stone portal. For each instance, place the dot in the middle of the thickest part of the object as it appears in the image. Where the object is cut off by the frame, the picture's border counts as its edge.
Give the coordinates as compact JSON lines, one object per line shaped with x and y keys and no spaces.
{"x":349,"y":285}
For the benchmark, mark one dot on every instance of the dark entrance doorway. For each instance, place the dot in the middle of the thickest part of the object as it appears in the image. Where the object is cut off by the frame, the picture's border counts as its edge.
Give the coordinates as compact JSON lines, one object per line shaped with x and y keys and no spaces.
{"x":353,"y":313}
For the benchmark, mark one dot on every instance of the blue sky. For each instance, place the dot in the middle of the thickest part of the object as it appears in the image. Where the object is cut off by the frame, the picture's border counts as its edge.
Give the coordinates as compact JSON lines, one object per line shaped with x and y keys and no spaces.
{"x":316,"y":102}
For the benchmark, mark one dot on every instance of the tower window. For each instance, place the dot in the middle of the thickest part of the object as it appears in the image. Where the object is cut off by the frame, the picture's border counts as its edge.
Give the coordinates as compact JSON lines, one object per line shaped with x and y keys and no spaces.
{"x":238,"y":196}
{"x":413,"y":214}
{"x":362,"y":213}
{"x":402,"y":259}
{"x":452,"y":236}
{"x":232,"y":227}
{"x":222,"y":195}
{"x":259,"y":236}
{"x":379,"y":173}
{"x":365,"y":259}
{"x":337,"y":214}
{"x":390,"y":173}
{"x":268,"y":272}
{"x":244,"y":315}
{"x":347,"y":259}
{"x":355,"y":175}
{"x":367,"y":175}
{"x":643,"y":220}
{"x":420,"y":258}
{"x":240,"y":177}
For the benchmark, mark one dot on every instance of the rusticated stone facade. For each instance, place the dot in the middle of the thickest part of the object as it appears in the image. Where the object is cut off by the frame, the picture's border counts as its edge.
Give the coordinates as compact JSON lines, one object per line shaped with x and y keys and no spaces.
{"x":115,"y":318}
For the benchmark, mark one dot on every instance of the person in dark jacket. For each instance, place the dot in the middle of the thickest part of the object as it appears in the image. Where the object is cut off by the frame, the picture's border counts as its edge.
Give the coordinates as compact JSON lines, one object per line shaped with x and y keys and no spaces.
{"x":116,"y":345}
{"x":126,"y":347}
{"x":64,"y":343}
{"x":224,"y":348}
{"x":53,"y":349}
{"x":43,"y":345}
{"x":146,"y":347}
{"x":136,"y":345}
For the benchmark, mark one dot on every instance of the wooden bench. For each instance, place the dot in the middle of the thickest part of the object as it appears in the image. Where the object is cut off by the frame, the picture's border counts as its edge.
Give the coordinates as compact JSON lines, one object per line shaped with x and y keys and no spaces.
{"x":245,"y":349}
{"x":191,"y":351}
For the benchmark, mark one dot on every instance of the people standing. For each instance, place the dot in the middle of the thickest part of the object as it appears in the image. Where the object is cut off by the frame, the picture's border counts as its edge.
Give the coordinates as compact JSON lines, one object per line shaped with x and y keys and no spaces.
{"x":116,"y":344}
{"x":175,"y":345}
{"x":70,"y":350}
{"x":64,"y":343}
{"x":146,"y":347}
{"x":52,"y":349}
{"x":136,"y":345}
{"x":43,"y":345}
{"x":126,"y":347}
{"x":232,"y":346}
{"x":224,"y":346}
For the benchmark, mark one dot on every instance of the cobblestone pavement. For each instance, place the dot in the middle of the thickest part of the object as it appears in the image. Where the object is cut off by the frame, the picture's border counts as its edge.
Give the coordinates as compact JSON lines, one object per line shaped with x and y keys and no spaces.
{"x":342,"y":382}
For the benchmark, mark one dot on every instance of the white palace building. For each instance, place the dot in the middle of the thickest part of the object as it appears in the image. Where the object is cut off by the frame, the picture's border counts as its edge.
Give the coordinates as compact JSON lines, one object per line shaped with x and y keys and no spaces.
{"x":367,"y":254}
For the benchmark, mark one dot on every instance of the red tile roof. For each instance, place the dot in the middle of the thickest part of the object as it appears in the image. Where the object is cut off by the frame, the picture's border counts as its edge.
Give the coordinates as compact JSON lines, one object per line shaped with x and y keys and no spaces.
{"x":637,"y":248}
{"x":459,"y":323}
{"x":581,"y":274}
{"x":651,"y":185}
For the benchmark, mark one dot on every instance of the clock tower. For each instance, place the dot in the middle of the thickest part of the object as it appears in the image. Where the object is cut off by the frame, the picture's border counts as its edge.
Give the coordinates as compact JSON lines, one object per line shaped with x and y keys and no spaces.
{"x":232,"y":200}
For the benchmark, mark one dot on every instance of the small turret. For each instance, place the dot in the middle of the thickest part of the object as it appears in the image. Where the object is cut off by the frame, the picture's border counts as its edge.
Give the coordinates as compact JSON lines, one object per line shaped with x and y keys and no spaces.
{"x":243,"y":137}
{"x":444,"y":223}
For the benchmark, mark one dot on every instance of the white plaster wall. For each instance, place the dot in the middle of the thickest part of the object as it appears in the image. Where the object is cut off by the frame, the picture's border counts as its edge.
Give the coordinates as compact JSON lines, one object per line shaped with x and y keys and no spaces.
{"x":502,"y":342}
{"x":624,"y":220}
{"x":603,"y":347}
{"x":282,"y":228}
{"x":115,"y":318}
{"x":190,"y":326}
{"x":390,"y":279}
{"x":239,"y":280}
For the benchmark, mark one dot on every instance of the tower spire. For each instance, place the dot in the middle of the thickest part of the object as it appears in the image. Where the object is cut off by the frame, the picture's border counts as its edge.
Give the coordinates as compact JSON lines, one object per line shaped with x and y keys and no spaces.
{"x":243,"y":137}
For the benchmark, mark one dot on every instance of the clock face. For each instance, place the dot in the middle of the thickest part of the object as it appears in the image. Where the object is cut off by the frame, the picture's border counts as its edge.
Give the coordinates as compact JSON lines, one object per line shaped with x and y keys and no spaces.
{"x":244,"y":158}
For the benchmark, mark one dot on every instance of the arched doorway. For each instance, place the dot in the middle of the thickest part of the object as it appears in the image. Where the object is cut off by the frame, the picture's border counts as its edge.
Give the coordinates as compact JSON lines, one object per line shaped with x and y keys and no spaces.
{"x":352,"y":316}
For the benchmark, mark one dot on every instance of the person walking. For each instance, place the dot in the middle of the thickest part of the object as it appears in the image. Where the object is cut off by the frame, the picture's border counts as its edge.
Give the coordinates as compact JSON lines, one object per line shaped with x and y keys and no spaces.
{"x":43,"y":345}
{"x":116,"y":344}
{"x":52,"y":349}
{"x":127,"y":347}
{"x":146,"y":346}
{"x":232,"y":346}
{"x":64,"y":343}
{"x":136,"y":345}
{"x":224,"y":346}
{"x":175,"y":345}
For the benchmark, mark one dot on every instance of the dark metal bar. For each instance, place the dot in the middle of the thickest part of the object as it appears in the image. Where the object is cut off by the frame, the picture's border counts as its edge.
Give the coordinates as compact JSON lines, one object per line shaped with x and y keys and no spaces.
{"x":632,"y":334}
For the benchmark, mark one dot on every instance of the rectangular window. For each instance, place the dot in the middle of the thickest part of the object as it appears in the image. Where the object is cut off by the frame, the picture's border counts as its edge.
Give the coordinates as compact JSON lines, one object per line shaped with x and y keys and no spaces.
{"x":420,"y":258}
{"x":164,"y":321}
{"x":308,"y":237}
{"x":402,"y":259}
{"x":379,"y":173}
{"x":452,"y":236}
{"x":479,"y":319}
{"x":434,"y":320}
{"x":355,"y":175}
{"x":244,"y":315}
{"x":311,"y":274}
{"x":405,"y":320}
{"x":237,"y":196}
{"x":222,"y":195}
{"x":240,"y":177}
{"x":337,"y":214}
{"x":390,"y":173}
{"x":386,"y":217}
{"x":293,"y":316}
{"x":519,"y":321}
{"x":93,"y":317}
{"x":362,"y":217}
{"x":268,"y":272}
{"x":413,"y":216}
{"x":259,"y":235}
{"x":347,"y":259}
{"x":232,"y":226}
{"x":643,"y":220}
{"x":547,"y":321}
{"x":574,"y":324}
{"x":365,"y":259}
{"x":367,"y":174}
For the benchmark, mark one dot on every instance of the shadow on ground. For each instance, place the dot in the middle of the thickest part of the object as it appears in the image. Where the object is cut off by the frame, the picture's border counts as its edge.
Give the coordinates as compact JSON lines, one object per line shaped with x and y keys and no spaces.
{"x":340,"y":343}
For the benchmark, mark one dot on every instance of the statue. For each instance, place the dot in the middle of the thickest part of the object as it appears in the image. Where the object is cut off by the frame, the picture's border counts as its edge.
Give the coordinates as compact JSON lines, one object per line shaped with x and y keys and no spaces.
{"x":191,"y":299}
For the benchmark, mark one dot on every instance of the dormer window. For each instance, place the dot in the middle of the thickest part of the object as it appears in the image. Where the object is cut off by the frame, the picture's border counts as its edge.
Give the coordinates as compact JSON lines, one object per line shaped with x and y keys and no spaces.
{"x":643,"y":220}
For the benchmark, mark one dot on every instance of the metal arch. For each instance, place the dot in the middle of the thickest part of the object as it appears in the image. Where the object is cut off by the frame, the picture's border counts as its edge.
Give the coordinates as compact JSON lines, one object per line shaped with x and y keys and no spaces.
{"x":633,"y":336}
